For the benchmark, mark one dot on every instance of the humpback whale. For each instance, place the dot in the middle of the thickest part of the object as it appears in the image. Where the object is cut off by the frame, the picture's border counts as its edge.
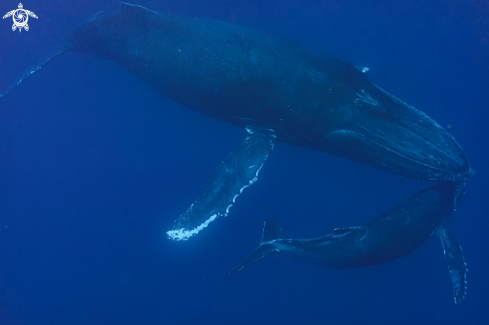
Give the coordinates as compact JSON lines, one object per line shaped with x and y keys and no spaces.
{"x":276,"y":90}
{"x":388,"y":236}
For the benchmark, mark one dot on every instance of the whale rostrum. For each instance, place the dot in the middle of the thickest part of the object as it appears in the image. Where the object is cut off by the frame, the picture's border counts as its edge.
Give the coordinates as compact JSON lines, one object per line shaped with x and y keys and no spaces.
{"x":388,"y":236}
{"x":277,"y":90}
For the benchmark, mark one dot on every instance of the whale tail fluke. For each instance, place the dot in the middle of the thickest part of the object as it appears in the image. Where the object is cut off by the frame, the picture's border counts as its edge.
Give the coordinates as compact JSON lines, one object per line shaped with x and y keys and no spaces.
{"x":66,"y":46}
{"x":35,"y":69}
{"x":271,"y":232}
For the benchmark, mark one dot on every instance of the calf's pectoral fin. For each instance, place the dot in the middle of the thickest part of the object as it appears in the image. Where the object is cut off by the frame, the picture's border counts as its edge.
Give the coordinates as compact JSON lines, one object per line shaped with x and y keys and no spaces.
{"x":237,"y":171}
{"x":455,"y":261}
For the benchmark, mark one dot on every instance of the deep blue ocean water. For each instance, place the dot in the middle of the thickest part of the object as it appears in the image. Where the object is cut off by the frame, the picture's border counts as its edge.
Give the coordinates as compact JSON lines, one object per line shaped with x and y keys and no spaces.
{"x":95,"y":165}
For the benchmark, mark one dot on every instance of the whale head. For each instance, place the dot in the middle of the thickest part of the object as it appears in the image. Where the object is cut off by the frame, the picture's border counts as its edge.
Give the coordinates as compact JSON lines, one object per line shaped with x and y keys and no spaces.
{"x":386,"y":133}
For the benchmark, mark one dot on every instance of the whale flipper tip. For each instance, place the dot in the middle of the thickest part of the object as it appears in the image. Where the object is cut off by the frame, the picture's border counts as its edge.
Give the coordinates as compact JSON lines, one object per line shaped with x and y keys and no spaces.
{"x":456,"y":263}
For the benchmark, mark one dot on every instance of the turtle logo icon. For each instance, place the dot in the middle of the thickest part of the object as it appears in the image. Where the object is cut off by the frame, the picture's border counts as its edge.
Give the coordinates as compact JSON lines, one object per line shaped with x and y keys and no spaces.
{"x":20,"y":17}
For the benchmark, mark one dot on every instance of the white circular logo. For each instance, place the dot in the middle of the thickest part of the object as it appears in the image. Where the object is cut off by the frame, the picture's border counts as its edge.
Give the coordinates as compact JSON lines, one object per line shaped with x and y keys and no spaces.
{"x":20,"y":17}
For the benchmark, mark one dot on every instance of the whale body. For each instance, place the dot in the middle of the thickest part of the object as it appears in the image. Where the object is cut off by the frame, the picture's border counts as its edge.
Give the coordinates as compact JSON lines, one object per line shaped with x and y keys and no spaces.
{"x":388,"y":236}
{"x":250,"y":78}
{"x":278,"y":91}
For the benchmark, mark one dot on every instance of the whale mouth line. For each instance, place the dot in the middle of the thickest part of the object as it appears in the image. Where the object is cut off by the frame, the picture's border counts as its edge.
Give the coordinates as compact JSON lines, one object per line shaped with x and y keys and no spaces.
{"x":410,"y":158}
{"x":405,"y":161}
{"x":400,"y":154}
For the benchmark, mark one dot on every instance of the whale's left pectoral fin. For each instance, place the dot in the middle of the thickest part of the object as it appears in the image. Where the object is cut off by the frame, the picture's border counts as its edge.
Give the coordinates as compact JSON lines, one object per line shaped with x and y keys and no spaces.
{"x":238,"y":171}
{"x":455,"y":262}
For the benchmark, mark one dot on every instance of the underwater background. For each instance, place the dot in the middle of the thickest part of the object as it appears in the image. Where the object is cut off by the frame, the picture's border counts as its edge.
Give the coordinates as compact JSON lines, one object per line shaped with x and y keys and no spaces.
{"x":95,"y":165}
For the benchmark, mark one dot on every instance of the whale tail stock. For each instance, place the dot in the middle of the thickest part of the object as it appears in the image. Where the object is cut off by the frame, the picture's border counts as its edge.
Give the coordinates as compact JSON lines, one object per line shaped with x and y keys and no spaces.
{"x":271,"y":232}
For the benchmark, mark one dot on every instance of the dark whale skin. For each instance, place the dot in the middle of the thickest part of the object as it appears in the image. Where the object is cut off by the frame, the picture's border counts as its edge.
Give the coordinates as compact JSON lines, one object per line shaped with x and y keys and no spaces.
{"x":250,"y":78}
{"x":386,"y":237}
{"x":394,"y":233}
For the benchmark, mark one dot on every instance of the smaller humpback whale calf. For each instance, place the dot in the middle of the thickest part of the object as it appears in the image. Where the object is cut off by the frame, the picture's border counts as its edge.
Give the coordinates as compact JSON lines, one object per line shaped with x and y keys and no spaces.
{"x":388,"y":236}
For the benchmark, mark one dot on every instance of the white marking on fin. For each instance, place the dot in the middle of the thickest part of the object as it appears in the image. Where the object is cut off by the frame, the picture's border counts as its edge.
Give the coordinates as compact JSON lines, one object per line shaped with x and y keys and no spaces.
{"x":242,"y":189}
{"x":185,"y":234}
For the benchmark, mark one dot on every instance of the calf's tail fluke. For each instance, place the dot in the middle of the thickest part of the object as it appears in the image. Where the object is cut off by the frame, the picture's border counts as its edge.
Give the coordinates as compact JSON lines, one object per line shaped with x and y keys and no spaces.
{"x":34,"y":70}
{"x":271,"y":232}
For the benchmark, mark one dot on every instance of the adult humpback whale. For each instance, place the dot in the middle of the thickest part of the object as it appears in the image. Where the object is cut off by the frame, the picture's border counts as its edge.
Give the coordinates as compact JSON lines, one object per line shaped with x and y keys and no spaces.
{"x":278,"y":91}
{"x":391,"y":235}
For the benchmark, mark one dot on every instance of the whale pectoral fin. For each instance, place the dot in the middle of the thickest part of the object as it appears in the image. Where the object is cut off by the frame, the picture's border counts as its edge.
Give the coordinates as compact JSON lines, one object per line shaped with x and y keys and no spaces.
{"x":237,"y":171}
{"x":455,"y":261}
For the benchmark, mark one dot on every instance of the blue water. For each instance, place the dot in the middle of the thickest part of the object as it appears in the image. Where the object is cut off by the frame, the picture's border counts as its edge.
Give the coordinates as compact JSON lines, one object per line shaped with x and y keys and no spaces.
{"x":95,"y":165}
